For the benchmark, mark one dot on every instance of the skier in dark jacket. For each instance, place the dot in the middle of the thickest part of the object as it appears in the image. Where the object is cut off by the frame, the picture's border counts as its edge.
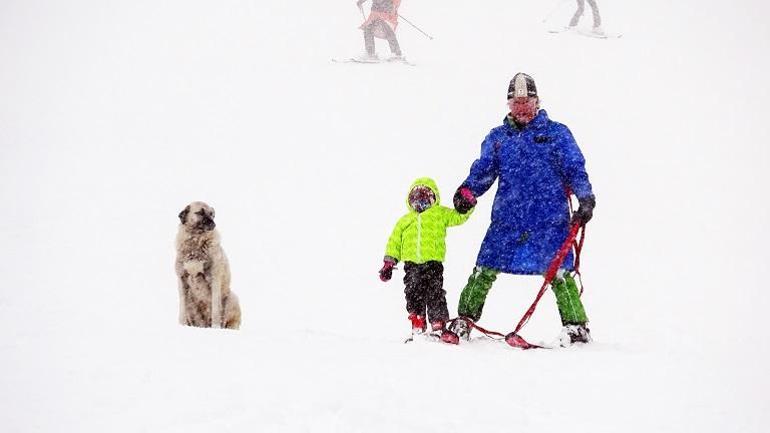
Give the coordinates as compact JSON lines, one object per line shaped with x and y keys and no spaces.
{"x":537,"y":165}
{"x":581,"y":4}
{"x":381,"y":23}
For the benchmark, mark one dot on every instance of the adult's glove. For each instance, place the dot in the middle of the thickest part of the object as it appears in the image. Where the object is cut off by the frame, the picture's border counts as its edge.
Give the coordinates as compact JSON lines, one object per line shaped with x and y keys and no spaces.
{"x":464,"y":200}
{"x":585,"y":211}
{"x":386,"y":273}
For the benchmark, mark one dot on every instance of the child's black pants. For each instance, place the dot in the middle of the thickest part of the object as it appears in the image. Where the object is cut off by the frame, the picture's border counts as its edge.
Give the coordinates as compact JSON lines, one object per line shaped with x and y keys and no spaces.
{"x":425,"y":290}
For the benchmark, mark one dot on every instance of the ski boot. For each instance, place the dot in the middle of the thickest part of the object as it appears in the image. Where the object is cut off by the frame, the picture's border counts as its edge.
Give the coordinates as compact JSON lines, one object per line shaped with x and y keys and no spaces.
{"x":461,"y":327}
{"x":418,"y":323}
{"x":571,"y":334}
{"x":367,"y":58}
{"x":439,"y":330}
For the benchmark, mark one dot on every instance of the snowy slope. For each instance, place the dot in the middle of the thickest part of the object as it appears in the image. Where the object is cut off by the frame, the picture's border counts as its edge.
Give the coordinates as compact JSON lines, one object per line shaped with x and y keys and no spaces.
{"x":114,"y":115}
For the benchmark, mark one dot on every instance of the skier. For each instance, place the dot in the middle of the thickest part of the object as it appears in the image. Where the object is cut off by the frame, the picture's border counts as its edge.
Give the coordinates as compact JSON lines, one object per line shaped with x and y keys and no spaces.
{"x":419,"y":240}
{"x":536,"y":162}
{"x":381,"y":23}
{"x":579,"y":13}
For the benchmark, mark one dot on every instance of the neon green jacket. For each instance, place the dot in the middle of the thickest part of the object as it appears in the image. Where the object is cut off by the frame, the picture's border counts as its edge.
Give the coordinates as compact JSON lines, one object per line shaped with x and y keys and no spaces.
{"x":421,"y":237}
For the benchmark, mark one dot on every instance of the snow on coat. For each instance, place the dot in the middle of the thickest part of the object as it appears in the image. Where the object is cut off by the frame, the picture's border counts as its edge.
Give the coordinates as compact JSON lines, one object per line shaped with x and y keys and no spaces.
{"x":535,"y":167}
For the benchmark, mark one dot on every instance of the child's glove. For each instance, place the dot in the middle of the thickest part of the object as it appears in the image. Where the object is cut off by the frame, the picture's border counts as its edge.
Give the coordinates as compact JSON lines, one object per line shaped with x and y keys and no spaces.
{"x":386,"y":273}
{"x":585,"y":211}
{"x":464,"y":200}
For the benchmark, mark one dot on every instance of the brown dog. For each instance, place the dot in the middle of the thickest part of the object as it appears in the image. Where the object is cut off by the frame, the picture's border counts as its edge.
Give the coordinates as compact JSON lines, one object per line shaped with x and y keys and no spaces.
{"x":205,"y":299}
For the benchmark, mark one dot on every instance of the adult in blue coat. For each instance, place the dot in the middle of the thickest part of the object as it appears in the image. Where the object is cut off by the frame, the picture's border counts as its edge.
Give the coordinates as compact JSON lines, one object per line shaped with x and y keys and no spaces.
{"x":537,"y":164}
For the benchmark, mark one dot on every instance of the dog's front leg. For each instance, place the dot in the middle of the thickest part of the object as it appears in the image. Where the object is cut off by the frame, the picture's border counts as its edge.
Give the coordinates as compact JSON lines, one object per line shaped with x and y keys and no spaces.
{"x":216,"y":303}
{"x":183,"y":289}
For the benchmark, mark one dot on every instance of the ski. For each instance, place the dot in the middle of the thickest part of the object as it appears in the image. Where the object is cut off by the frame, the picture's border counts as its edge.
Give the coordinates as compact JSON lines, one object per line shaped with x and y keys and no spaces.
{"x":440,"y":336}
{"x":399,"y":60}
{"x":586,"y":33}
{"x":436,"y":338}
{"x":354,"y":60}
{"x":428,"y":336}
{"x":559,"y":342}
{"x":374,"y":61}
{"x":602,"y":35}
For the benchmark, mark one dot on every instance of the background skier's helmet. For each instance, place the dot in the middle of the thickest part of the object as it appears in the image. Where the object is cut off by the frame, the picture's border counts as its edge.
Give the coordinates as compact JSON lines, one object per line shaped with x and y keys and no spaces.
{"x":421,"y":198}
{"x":522,"y":85}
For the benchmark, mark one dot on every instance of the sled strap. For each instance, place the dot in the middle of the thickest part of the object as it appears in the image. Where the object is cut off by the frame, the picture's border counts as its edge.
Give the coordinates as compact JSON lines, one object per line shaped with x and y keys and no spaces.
{"x":488,"y":333}
{"x":577,"y":245}
{"x":473,"y":325}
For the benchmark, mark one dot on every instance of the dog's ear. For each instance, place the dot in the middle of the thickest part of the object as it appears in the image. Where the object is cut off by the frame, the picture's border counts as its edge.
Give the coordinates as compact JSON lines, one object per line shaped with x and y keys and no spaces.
{"x":183,"y":214}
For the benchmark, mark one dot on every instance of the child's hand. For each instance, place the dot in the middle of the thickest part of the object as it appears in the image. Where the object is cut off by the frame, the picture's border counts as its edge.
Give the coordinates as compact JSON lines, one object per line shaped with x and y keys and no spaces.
{"x":386,"y":273}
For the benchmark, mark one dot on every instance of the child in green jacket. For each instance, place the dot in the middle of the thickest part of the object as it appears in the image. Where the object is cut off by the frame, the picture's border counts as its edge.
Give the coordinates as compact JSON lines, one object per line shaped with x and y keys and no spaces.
{"x":419,"y":240}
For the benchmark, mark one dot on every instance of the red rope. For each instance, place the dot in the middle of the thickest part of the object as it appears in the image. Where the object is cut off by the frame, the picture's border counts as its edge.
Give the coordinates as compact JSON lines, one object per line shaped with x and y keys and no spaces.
{"x":472,"y":324}
{"x":578,"y":247}
{"x":486,"y":331}
{"x":550,"y":274}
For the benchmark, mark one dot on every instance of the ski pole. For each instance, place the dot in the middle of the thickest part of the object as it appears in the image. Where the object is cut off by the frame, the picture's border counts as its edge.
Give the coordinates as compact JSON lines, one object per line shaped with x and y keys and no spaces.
{"x":555,"y":8}
{"x":418,"y":29}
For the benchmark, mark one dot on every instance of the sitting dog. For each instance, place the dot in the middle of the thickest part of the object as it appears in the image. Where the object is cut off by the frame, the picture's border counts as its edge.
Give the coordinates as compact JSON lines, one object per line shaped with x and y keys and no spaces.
{"x":205,"y":299}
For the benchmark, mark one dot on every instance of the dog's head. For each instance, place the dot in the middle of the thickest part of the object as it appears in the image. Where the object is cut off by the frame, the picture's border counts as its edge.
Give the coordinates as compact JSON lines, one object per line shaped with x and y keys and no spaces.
{"x":198,"y":217}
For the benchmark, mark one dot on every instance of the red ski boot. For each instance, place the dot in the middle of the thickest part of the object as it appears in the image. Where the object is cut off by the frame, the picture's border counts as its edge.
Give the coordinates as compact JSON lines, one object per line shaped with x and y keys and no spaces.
{"x":438,"y":329}
{"x":418,"y":323}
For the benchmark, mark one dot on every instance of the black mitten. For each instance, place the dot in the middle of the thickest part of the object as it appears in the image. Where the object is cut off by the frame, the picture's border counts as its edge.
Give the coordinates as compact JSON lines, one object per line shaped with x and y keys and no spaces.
{"x":585,"y":211}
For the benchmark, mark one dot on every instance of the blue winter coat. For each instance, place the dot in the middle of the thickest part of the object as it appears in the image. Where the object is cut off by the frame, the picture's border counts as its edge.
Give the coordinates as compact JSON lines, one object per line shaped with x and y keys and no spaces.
{"x":535,"y":167}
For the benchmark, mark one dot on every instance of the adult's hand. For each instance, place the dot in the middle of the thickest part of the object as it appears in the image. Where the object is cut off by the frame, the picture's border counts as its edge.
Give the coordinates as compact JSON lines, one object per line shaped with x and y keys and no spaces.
{"x":585,"y":211}
{"x":464,"y":200}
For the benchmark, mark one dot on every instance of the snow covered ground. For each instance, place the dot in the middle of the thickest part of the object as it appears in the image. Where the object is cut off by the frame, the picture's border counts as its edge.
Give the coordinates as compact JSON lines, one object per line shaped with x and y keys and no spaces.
{"x":114,"y":115}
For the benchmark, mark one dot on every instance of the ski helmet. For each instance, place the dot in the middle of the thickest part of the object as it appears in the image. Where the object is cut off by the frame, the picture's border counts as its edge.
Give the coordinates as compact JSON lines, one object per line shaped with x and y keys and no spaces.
{"x":522,"y":85}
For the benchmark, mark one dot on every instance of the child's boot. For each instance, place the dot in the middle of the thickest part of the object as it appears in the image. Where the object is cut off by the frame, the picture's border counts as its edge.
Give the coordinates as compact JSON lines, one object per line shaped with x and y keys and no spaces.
{"x":418,"y":323}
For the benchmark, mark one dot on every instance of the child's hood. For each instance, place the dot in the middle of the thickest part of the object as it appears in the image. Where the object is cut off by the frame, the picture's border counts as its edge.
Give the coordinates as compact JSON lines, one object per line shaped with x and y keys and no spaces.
{"x":427,"y":182}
